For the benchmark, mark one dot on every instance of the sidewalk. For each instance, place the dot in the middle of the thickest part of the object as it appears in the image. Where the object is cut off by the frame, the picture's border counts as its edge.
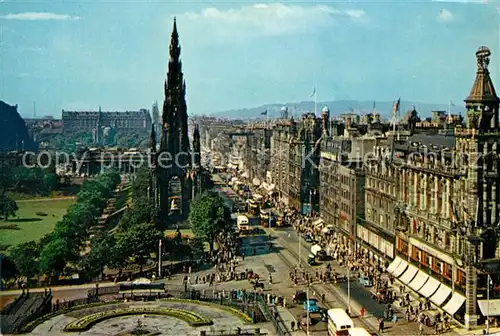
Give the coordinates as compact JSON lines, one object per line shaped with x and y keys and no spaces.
{"x":287,"y":319}
{"x":60,"y":288}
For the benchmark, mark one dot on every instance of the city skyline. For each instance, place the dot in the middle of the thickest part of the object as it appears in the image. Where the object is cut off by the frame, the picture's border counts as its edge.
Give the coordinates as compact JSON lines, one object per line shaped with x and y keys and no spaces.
{"x":235,"y":55}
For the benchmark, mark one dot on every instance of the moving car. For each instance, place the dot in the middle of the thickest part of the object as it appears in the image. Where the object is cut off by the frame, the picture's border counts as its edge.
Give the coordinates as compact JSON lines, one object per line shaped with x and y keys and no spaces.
{"x":312,"y":307}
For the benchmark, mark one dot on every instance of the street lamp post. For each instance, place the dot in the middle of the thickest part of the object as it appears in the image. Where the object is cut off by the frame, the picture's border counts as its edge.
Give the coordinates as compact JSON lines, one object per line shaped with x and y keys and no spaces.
{"x":159,"y":259}
{"x":300,"y":244}
{"x":307,"y":316}
{"x":348,"y":287}
{"x":488,"y":302}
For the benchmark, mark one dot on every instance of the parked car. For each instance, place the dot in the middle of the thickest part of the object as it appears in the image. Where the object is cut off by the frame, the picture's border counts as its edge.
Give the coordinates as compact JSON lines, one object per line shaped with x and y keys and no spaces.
{"x":312,"y":307}
{"x":300,"y":296}
{"x":308,"y":238}
{"x":311,"y":260}
{"x":365,"y":281}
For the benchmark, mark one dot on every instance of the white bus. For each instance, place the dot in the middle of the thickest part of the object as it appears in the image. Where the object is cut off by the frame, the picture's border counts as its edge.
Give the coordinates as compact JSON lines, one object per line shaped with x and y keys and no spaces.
{"x":359,"y":332}
{"x":243,"y":223}
{"x":339,"y":322}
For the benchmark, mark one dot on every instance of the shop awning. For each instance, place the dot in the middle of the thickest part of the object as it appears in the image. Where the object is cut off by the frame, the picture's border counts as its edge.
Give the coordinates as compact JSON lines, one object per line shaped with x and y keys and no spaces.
{"x":408,"y":275}
{"x":400,"y":269}
{"x":456,"y":301}
{"x":441,"y":295}
{"x":492,"y":307}
{"x":394,"y":264}
{"x":430,"y":287}
{"x":419,"y":281}
{"x":318,"y":222}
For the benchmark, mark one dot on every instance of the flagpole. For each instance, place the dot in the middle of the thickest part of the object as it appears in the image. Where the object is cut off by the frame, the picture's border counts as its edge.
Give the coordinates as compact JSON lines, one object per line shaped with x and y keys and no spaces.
{"x":315,"y":101}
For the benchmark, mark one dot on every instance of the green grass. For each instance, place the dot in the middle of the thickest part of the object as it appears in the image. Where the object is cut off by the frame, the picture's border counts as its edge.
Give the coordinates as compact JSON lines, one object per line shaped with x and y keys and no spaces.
{"x":32,"y":226}
{"x":186,"y":233}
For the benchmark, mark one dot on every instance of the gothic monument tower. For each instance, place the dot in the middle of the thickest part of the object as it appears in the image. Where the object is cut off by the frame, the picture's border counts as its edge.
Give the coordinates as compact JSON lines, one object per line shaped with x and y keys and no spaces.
{"x":172,"y":161}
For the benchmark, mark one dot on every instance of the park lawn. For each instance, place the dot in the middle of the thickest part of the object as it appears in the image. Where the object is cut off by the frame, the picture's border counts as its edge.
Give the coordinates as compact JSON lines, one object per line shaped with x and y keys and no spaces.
{"x":32,"y":226}
{"x":186,"y":233}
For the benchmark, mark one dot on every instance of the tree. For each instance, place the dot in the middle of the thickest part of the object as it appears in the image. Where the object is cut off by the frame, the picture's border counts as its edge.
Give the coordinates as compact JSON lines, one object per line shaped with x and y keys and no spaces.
{"x":100,"y":255}
{"x":55,"y":255}
{"x":50,"y":180}
{"x":25,"y":257}
{"x":208,"y":217}
{"x":8,"y":207}
{"x":138,"y":241}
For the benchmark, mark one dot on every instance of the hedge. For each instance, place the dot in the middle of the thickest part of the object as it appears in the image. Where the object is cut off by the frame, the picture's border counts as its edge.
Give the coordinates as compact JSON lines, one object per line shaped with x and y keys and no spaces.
{"x":35,"y":323}
{"x":238,"y":313}
{"x":85,"y":323}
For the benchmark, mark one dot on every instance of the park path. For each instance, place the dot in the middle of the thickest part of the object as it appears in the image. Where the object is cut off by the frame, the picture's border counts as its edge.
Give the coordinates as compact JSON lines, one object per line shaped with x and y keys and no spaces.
{"x":46,"y":199}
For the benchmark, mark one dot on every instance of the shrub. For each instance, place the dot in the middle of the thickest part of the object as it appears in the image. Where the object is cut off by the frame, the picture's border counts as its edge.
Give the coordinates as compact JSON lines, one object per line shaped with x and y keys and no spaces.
{"x":85,"y":323}
{"x":244,"y":317}
{"x":41,"y":214}
{"x":11,"y":226}
{"x":33,"y":324}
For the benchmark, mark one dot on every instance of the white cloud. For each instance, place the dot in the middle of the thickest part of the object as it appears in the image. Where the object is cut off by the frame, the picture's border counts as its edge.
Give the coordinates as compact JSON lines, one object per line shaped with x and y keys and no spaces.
{"x":269,"y":19}
{"x":40,"y":16}
{"x":445,"y":15}
{"x":465,"y":1}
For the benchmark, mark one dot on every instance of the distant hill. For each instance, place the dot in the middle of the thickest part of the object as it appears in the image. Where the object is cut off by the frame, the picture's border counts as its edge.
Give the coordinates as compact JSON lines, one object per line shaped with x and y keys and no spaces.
{"x":336,"y":107}
{"x":13,"y":132}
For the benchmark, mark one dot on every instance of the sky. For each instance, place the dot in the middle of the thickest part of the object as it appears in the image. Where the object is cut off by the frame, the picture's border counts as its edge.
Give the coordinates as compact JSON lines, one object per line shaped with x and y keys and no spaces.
{"x":79,"y":55}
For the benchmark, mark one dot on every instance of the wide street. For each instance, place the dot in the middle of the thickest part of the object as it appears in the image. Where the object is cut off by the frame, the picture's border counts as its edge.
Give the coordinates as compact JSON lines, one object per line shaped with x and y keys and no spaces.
{"x":278,"y":262}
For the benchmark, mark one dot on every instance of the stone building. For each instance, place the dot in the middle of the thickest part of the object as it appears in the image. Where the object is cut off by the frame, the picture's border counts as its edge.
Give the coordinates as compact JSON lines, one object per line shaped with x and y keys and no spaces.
{"x":448,"y":190}
{"x":342,"y":181}
{"x":257,"y":157}
{"x":376,"y":232}
{"x":280,"y":158}
{"x":304,"y":157}
{"x":88,"y":121}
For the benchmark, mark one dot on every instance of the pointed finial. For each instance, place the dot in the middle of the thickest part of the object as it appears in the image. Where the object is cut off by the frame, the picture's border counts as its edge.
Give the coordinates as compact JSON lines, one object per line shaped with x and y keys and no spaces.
{"x":99,"y":108}
{"x":174,"y":29}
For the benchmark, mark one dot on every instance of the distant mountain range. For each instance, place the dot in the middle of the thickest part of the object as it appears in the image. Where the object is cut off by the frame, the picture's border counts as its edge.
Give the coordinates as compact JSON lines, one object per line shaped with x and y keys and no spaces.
{"x":337,"y":107}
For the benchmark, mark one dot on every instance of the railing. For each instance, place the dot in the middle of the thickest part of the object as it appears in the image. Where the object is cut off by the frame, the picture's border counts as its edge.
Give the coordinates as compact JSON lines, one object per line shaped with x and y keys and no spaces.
{"x":233,"y":332}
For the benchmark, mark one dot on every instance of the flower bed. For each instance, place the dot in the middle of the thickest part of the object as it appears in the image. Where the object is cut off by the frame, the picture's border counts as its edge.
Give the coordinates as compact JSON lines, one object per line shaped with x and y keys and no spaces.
{"x":85,"y":323}
{"x":33,"y":324}
{"x":238,"y":313}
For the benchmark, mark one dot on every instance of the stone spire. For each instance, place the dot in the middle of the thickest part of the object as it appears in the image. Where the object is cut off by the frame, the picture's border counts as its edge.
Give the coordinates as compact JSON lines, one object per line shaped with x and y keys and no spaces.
{"x":152,"y":139}
{"x":482,"y":102}
{"x":197,"y":145}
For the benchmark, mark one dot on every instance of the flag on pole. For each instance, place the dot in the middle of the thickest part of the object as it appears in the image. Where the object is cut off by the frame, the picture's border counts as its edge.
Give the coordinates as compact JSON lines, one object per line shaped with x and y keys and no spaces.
{"x":264,"y":113}
{"x":374,"y":105}
{"x":312,"y":94}
{"x":451,"y":103}
{"x":397,"y":104}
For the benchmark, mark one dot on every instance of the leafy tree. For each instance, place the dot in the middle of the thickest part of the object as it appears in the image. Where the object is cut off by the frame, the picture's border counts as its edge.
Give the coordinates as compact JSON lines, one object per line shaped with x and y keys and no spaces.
{"x":8,"y":207}
{"x":55,"y":255}
{"x":209,"y":216}
{"x":100,"y":255}
{"x":196,"y":245}
{"x":140,"y":184}
{"x":25,"y":257}
{"x":50,"y":180}
{"x":7,"y":266}
{"x":138,"y":241}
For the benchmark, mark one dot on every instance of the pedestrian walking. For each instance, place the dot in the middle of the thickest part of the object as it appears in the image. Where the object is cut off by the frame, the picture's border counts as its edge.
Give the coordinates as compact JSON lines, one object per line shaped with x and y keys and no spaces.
{"x":420,"y":328}
{"x":381,"y":325}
